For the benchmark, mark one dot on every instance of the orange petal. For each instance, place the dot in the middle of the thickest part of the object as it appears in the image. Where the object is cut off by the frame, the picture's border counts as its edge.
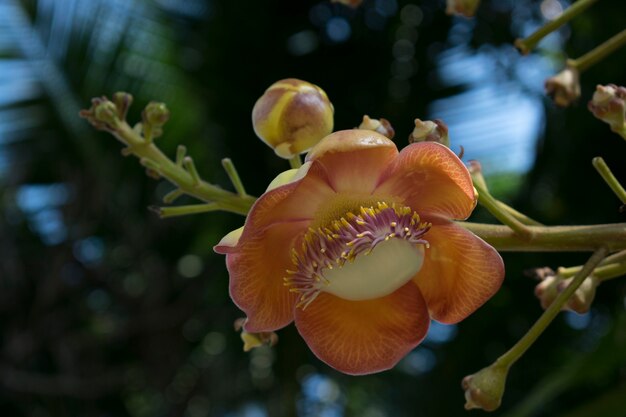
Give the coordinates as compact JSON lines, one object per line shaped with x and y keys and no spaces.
{"x":460,"y":272}
{"x":354,"y":159}
{"x":257,"y":267}
{"x":363,"y":337}
{"x":294,"y":201}
{"x":432,"y":180}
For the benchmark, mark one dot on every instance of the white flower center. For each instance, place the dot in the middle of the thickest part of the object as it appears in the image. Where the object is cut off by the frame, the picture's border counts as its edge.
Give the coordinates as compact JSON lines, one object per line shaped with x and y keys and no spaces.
{"x":359,"y":257}
{"x":390,"y":265}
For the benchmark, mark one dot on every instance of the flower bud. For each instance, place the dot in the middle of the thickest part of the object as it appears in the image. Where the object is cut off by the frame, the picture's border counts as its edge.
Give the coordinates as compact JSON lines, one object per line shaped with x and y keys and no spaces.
{"x":122,"y":101}
{"x":580,"y":302}
{"x":430,"y":131}
{"x":485,"y":388}
{"x":609,"y":105}
{"x":381,"y":126}
{"x":465,"y":8}
{"x":292,"y":116}
{"x":106,"y":112}
{"x":155,"y":114}
{"x":254,"y":340}
{"x":564,"y":88}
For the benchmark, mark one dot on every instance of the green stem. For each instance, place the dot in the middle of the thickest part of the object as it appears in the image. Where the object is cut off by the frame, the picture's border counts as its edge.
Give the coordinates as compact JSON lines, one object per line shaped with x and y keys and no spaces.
{"x":295,"y":162}
{"x":186,"y":180}
{"x":519,"y":216}
{"x":598,"y":53}
{"x":552,"y":238}
{"x":528,"y":44}
{"x":165,"y":212}
{"x":546,"y":318}
{"x":506,"y":217}
{"x":608,"y":177}
{"x":230,"y":169}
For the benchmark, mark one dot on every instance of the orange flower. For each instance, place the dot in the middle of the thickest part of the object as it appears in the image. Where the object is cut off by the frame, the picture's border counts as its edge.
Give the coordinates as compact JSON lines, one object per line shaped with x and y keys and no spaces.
{"x":358,"y":247}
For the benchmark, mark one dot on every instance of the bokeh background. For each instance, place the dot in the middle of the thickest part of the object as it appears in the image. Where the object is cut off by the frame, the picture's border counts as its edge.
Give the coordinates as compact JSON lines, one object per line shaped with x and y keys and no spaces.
{"x":106,"y":310}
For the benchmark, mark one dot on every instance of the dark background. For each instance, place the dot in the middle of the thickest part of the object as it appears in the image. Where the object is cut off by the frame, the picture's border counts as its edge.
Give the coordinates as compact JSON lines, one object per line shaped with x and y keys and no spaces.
{"x":106,"y":310}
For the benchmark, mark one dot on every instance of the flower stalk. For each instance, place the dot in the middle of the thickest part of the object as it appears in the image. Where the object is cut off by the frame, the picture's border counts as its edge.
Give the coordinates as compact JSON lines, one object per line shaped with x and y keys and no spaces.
{"x":105,"y":115}
{"x":513,"y":354}
{"x":608,"y":177}
{"x":598,"y":53}
{"x":485,"y":388}
{"x":528,"y":44}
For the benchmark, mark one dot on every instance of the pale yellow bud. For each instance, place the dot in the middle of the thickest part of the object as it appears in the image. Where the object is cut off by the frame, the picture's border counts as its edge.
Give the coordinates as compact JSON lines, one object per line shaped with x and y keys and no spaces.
{"x":430,"y":131}
{"x":564,"y":88}
{"x":381,"y":126}
{"x":609,"y":105}
{"x":292,"y":116}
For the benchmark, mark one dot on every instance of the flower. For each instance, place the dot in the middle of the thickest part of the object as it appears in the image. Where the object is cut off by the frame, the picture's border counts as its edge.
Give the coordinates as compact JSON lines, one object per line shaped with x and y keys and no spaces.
{"x":358,"y":248}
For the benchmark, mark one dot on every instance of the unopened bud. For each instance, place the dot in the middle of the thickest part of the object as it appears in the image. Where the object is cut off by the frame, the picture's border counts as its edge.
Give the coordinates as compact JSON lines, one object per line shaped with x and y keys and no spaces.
{"x":381,"y":126}
{"x":122,"y":101}
{"x":292,"y":116}
{"x":430,"y":131}
{"x":564,"y":87}
{"x":609,"y":105}
{"x":106,"y":112}
{"x":485,"y":388}
{"x":351,"y":3}
{"x":465,"y":8}
{"x":552,"y":285}
{"x":155,"y":114}
{"x":254,"y":340}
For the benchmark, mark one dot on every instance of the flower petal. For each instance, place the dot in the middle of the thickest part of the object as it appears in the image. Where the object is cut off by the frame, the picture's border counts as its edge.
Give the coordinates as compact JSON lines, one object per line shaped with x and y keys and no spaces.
{"x":460,"y":272}
{"x":362,"y":337}
{"x":257,"y":267}
{"x":355,"y":159}
{"x":432,"y":180}
{"x":228,"y":242}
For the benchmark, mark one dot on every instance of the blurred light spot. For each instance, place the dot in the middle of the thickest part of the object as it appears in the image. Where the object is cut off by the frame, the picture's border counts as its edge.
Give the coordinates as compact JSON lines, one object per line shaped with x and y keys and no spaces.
{"x":403,"y":69}
{"x":302,"y":43}
{"x":577,"y":321}
{"x":72,"y":274}
{"x":386,"y":8}
{"x":374,"y":412}
{"x":32,"y":198}
{"x":374,"y":19}
{"x":338,"y":29}
{"x":198,"y":406}
{"x":190,"y":266}
{"x":418,"y":362}
{"x":261,"y":365}
{"x":89,"y":251}
{"x":192,"y":330}
{"x":551,"y":9}
{"x":103,"y":325}
{"x":321,"y":388}
{"x":407,"y":32}
{"x":214,"y":343}
{"x":191,"y":8}
{"x":403,"y":50}
{"x":252,"y":410}
{"x":320,"y":13}
{"x":399,"y":89}
{"x":98,"y":300}
{"x":441,"y":333}
{"x":134,"y":284}
{"x":40,"y":204}
{"x":411,"y":15}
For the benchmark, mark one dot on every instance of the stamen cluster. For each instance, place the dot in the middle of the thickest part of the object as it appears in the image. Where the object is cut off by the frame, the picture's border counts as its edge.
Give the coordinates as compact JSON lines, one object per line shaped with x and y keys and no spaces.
{"x":329,"y":247}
